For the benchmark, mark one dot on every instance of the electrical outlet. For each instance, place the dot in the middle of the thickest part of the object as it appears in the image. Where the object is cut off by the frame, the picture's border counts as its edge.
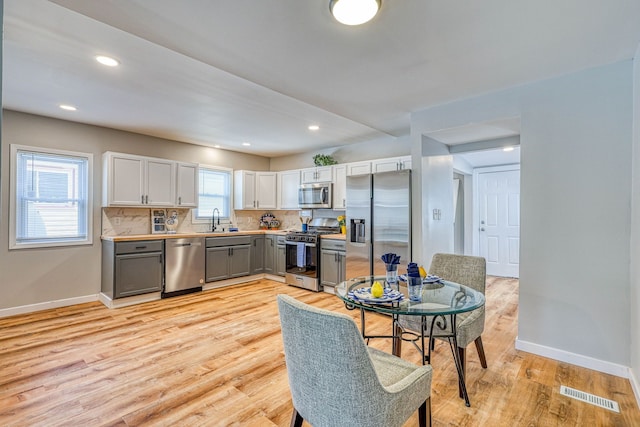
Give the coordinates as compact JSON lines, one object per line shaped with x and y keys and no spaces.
{"x":117,"y":220}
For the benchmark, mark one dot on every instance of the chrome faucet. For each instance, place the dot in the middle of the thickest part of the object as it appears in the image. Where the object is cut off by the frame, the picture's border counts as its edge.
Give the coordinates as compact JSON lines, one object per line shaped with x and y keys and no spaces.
{"x":213,"y":219}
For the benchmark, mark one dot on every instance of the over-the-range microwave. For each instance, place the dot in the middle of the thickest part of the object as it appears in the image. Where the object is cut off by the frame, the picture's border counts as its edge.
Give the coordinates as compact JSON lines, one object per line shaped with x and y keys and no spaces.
{"x":317,"y":195}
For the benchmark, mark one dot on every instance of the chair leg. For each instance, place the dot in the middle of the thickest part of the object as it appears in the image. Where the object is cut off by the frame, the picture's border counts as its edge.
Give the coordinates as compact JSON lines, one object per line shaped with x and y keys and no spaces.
{"x":480,"y":348}
{"x":462,"y":353}
{"x":296,"y":419}
{"x":424,"y":413}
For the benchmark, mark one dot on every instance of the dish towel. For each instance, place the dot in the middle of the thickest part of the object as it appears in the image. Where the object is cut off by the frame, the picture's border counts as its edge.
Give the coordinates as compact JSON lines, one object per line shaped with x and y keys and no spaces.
{"x":301,"y":253}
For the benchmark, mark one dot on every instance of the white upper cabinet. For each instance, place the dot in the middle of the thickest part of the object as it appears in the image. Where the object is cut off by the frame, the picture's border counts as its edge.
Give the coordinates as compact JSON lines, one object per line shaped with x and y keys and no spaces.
{"x":187,"y":185}
{"x":318,"y":174}
{"x":161,"y":182}
{"x":358,"y":168}
{"x":244,"y":190}
{"x":130,"y":180}
{"x":254,"y":190}
{"x":339,"y":186}
{"x":266,"y":189}
{"x":288,"y":184}
{"x":391,"y":164}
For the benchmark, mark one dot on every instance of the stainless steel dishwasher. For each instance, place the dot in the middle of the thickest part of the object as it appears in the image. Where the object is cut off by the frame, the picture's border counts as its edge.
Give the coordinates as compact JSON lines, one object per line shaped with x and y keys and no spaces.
{"x":184,"y":266}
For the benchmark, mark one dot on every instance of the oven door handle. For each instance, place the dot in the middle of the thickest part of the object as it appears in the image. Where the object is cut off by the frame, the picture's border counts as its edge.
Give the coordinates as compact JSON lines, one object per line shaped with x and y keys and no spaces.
{"x":312,"y":245}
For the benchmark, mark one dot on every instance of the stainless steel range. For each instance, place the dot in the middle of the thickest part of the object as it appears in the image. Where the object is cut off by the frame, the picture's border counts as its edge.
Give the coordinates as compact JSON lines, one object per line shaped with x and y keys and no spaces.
{"x":303,"y":253}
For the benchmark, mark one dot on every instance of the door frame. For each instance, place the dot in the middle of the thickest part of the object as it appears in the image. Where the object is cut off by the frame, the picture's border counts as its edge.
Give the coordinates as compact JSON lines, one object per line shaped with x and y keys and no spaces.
{"x":476,"y":200}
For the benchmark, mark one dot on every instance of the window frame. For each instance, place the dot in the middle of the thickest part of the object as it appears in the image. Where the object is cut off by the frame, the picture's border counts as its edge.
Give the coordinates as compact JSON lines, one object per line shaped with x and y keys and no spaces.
{"x":194,"y":212}
{"x":13,"y":202}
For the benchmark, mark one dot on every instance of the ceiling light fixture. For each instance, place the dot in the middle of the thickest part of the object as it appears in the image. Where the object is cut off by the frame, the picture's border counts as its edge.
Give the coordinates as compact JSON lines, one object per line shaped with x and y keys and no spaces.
{"x":216,"y":146}
{"x":246,"y":144}
{"x":354,"y":12}
{"x":107,"y":60}
{"x":507,"y":149}
{"x":314,"y":127}
{"x":67,"y":107}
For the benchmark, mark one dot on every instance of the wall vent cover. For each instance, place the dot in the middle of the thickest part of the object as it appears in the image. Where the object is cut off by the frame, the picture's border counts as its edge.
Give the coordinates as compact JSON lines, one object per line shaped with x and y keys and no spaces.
{"x":590,"y":398}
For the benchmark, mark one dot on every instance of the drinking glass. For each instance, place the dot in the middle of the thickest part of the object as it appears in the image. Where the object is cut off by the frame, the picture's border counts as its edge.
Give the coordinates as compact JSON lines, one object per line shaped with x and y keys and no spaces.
{"x":414,"y":286}
{"x":392,"y":276}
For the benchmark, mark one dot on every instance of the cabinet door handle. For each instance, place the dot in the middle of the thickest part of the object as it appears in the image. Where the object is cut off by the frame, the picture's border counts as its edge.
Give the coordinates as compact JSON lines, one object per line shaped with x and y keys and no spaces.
{"x":258,"y":204}
{"x":146,"y":199}
{"x":179,"y":200}
{"x":344,"y":203}
{"x":142,"y":199}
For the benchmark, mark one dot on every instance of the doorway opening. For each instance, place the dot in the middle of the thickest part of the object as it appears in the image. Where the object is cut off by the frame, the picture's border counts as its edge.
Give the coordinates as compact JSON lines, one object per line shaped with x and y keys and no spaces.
{"x":488,"y":205}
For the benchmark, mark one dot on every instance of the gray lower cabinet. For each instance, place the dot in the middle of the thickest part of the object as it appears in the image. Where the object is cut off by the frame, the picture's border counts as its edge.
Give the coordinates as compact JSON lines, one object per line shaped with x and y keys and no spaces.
{"x":132,"y":268}
{"x":333,"y":262}
{"x":274,"y":255}
{"x":270,"y":243}
{"x":227,"y":257}
{"x":257,"y":254}
{"x":281,"y":256}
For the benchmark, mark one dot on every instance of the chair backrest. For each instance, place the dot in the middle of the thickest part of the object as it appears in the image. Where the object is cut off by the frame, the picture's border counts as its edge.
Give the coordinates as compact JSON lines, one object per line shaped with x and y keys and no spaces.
{"x":467,"y":270}
{"x":331,"y":375}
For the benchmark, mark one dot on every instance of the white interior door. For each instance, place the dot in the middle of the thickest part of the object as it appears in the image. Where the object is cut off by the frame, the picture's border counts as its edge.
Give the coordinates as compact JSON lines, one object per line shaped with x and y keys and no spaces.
{"x":499,"y":221}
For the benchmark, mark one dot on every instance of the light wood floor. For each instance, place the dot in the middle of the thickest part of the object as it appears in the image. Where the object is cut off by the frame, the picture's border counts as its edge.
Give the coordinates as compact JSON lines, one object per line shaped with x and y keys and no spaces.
{"x":215,"y":359}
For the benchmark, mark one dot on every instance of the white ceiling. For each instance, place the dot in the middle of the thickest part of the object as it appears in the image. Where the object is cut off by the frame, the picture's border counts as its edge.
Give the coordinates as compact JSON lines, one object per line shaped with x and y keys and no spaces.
{"x":226,"y":72}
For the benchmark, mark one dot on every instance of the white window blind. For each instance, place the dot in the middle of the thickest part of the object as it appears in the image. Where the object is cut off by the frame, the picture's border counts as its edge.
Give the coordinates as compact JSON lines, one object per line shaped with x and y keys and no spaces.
{"x":51,"y":202}
{"x":214,"y":191}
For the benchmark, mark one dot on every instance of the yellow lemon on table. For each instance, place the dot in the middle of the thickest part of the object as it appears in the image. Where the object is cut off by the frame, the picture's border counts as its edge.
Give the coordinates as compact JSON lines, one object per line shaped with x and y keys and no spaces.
{"x":377,"y":290}
{"x":423,"y":272}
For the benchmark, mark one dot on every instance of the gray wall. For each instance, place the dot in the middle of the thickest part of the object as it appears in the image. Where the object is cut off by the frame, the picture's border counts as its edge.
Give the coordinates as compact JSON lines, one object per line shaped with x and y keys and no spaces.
{"x":635,"y":230}
{"x":575,"y":208}
{"x":32,"y":276}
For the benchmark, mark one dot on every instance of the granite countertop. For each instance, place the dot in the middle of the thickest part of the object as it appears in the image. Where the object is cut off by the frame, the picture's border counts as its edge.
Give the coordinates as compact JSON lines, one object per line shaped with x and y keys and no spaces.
{"x":134,"y":237}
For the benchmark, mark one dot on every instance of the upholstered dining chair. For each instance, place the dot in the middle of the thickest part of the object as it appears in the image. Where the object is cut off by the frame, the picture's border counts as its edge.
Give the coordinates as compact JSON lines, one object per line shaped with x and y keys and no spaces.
{"x":465,"y":270}
{"x":336,"y":380}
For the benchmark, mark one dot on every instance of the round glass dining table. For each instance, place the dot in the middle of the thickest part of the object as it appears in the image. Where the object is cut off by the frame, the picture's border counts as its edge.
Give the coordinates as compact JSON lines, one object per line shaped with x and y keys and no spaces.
{"x":441,"y":302}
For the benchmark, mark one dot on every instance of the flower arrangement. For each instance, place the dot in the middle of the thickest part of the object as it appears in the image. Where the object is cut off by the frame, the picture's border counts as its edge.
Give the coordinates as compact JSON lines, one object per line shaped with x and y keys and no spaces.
{"x":323,"y":160}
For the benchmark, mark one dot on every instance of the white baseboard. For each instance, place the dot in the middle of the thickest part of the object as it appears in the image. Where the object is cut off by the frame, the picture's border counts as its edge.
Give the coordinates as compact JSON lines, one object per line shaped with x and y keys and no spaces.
{"x":574,"y":359}
{"x":24,"y":309}
{"x":635,"y":385}
{"x":125,"y":302}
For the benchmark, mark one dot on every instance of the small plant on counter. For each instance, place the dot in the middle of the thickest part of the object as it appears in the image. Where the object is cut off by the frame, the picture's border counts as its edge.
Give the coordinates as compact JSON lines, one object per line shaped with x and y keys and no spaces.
{"x":342,"y":222}
{"x":324,"y":160}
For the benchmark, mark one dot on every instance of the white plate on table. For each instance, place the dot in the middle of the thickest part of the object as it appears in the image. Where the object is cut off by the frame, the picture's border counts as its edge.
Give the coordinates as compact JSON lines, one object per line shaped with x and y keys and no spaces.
{"x":364,"y":295}
{"x":428,"y":279}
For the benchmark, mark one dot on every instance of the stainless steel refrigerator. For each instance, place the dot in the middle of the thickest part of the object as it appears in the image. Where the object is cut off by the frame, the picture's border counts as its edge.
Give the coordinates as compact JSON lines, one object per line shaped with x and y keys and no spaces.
{"x":378,"y":221}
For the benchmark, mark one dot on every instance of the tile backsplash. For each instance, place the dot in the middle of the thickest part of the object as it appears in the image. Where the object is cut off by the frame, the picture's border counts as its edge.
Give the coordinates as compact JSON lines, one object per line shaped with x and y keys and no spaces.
{"x":131,"y":221}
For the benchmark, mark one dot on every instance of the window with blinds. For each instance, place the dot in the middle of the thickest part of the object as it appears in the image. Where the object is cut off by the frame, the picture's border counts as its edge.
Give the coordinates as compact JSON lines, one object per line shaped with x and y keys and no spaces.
{"x":51,"y":198}
{"x":214,"y":191}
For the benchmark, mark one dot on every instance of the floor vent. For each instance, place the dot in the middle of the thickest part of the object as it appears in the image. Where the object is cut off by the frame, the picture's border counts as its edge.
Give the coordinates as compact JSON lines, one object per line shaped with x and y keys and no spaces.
{"x":590,"y":398}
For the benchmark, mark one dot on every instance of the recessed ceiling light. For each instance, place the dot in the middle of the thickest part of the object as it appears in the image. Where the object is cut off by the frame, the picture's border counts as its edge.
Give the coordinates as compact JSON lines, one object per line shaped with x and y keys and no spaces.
{"x":314,"y":127}
{"x":507,"y":149}
{"x":216,"y":146}
{"x":107,"y":60}
{"x":67,"y":107}
{"x":354,"y":12}
{"x":246,"y":144}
